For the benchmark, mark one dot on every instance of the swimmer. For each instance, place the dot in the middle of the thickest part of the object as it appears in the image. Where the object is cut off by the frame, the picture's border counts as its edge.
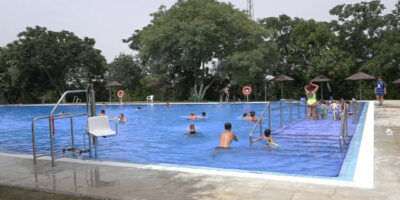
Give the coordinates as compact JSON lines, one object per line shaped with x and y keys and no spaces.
{"x":267,"y":136}
{"x":192,"y":130}
{"x":122,"y":119}
{"x":168,"y":105}
{"x":138,"y":108}
{"x":203,"y":115}
{"x":252,"y":117}
{"x":102,"y":113}
{"x":245,"y":116}
{"x":226,"y":137}
{"x":193,"y":116}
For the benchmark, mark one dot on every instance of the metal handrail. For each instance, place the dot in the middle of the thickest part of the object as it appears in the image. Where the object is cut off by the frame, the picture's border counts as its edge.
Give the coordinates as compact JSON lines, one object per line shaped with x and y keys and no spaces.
{"x":269,"y":108}
{"x":52,"y":117}
{"x":344,"y":130}
{"x":259,"y":121}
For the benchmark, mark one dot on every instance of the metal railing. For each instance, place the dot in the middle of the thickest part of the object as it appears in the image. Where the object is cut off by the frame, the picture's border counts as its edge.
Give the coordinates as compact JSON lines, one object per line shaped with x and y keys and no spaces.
{"x":76,"y":100}
{"x":268,"y":108}
{"x":356,"y":107}
{"x":51,"y":117}
{"x":344,"y":129}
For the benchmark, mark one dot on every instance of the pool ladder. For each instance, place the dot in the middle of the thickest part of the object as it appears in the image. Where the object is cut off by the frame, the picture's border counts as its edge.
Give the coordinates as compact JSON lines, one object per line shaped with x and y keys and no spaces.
{"x":344,"y":130}
{"x":268,"y":108}
{"x":90,"y":110}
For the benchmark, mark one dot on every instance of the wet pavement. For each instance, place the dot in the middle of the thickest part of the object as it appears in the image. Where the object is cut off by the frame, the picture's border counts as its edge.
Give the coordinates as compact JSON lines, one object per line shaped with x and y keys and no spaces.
{"x":122,"y":182}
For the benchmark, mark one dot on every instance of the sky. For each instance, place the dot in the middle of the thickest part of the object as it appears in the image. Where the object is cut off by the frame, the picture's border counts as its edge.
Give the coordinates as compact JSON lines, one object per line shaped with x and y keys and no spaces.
{"x":110,"y":21}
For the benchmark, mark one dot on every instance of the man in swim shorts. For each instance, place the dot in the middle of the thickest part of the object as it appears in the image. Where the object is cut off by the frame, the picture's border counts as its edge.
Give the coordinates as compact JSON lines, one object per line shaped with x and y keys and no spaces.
{"x":380,"y":90}
{"x":226,"y":137}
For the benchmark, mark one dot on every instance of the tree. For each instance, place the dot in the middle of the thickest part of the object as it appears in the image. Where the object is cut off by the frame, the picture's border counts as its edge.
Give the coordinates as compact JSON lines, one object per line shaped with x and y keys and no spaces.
{"x":127,"y":70}
{"x":42,"y":60}
{"x":192,"y":39}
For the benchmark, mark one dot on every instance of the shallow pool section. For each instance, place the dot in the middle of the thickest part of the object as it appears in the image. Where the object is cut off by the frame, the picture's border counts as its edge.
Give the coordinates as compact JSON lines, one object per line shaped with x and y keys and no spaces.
{"x":155,"y":135}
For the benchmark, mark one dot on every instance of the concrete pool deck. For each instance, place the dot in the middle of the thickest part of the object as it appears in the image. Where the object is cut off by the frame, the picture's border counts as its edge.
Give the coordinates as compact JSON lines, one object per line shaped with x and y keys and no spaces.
{"x":115,"y":182}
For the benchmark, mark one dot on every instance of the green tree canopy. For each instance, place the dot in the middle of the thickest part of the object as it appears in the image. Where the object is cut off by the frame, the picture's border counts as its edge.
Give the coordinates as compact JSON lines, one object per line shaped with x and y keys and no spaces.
{"x":193,"y":38}
{"x":42,"y":60}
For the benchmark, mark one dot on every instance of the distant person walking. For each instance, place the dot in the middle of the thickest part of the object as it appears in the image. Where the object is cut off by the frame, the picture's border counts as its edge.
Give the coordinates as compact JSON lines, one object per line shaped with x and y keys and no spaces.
{"x":380,"y":90}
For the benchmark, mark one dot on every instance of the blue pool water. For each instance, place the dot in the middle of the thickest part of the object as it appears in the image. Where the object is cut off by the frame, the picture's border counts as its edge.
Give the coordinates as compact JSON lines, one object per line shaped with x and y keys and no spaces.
{"x":155,"y":134}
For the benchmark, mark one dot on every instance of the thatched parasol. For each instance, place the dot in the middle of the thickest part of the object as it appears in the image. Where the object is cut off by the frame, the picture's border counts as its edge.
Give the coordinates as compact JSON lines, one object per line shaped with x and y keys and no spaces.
{"x":321,"y":78}
{"x":360,"y":76}
{"x":396,"y":81}
{"x":282,"y":78}
{"x":111,"y":85}
{"x":159,"y":84}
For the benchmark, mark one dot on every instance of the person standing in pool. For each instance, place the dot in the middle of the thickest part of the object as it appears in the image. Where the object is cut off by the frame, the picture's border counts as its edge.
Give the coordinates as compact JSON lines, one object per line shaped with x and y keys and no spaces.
{"x":252,"y":117}
{"x":122,"y":118}
{"x":192,"y":130}
{"x":102,"y":113}
{"x":380,"y":90}
{"x":226,"y":137}
{"x":193,"y":116}
{"x":311,"y":92}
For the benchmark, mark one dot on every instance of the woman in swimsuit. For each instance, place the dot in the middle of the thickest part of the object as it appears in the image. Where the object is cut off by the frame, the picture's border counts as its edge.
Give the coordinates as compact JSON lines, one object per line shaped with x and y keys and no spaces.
{"x":311,"y":92}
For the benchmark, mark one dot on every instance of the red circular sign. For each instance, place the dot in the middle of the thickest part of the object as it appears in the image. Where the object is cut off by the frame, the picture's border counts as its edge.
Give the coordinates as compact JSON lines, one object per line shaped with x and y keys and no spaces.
{"x":246,"y":90}
{"x":120,"y":93}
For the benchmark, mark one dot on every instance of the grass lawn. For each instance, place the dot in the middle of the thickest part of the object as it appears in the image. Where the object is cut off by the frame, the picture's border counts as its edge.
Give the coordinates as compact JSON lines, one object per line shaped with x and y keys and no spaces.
{"x":16,"y":193}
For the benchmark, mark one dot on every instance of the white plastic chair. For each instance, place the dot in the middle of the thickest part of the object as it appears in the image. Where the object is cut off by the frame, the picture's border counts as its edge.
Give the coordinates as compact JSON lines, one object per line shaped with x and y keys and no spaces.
{"x":150,"y":98}
{"x":100,"y":126}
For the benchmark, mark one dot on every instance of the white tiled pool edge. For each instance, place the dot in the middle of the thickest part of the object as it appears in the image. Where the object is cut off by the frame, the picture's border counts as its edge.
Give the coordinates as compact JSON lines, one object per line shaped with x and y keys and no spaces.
{"x":364,"y":174}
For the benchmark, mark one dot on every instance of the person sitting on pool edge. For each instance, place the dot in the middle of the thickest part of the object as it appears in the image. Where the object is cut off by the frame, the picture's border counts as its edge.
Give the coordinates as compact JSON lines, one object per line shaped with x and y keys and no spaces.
{"x":267,"y":136}
{"x":252,"y":117}
{"x":192,"y":130}
{"x":122,"y":119}
{"x":193,"y":116}
{"x":226,"y":137}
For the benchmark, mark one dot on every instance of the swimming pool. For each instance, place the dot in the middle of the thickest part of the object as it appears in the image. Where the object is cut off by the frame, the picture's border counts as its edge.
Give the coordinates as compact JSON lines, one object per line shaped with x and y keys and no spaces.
{"x":155,"y":135}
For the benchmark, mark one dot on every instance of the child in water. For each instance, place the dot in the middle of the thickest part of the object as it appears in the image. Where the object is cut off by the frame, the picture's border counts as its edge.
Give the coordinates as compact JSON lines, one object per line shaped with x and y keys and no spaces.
{"x":267,"y":136}
{"x":335,"y":109}
{"x":322,"y":109}
{"x":122,"y":118}
{"x":192,"y":130}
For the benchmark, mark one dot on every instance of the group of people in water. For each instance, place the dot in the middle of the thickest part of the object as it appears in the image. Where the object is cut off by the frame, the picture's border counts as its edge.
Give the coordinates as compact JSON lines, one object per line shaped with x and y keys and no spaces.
{"x":227,"y":136}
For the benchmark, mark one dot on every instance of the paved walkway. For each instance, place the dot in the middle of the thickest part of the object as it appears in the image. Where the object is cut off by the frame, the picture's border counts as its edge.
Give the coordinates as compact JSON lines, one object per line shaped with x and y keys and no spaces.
{"x":138,"y":183}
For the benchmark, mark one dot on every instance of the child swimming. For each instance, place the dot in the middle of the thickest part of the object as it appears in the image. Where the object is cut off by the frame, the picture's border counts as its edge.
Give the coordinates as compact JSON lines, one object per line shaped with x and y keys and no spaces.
{"x":192,"y":130}
{"x":267,"y":136}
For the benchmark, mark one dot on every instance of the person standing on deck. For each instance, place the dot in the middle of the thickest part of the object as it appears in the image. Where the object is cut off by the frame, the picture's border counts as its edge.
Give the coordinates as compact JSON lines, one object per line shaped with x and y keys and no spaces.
{"x":380,"y":90}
